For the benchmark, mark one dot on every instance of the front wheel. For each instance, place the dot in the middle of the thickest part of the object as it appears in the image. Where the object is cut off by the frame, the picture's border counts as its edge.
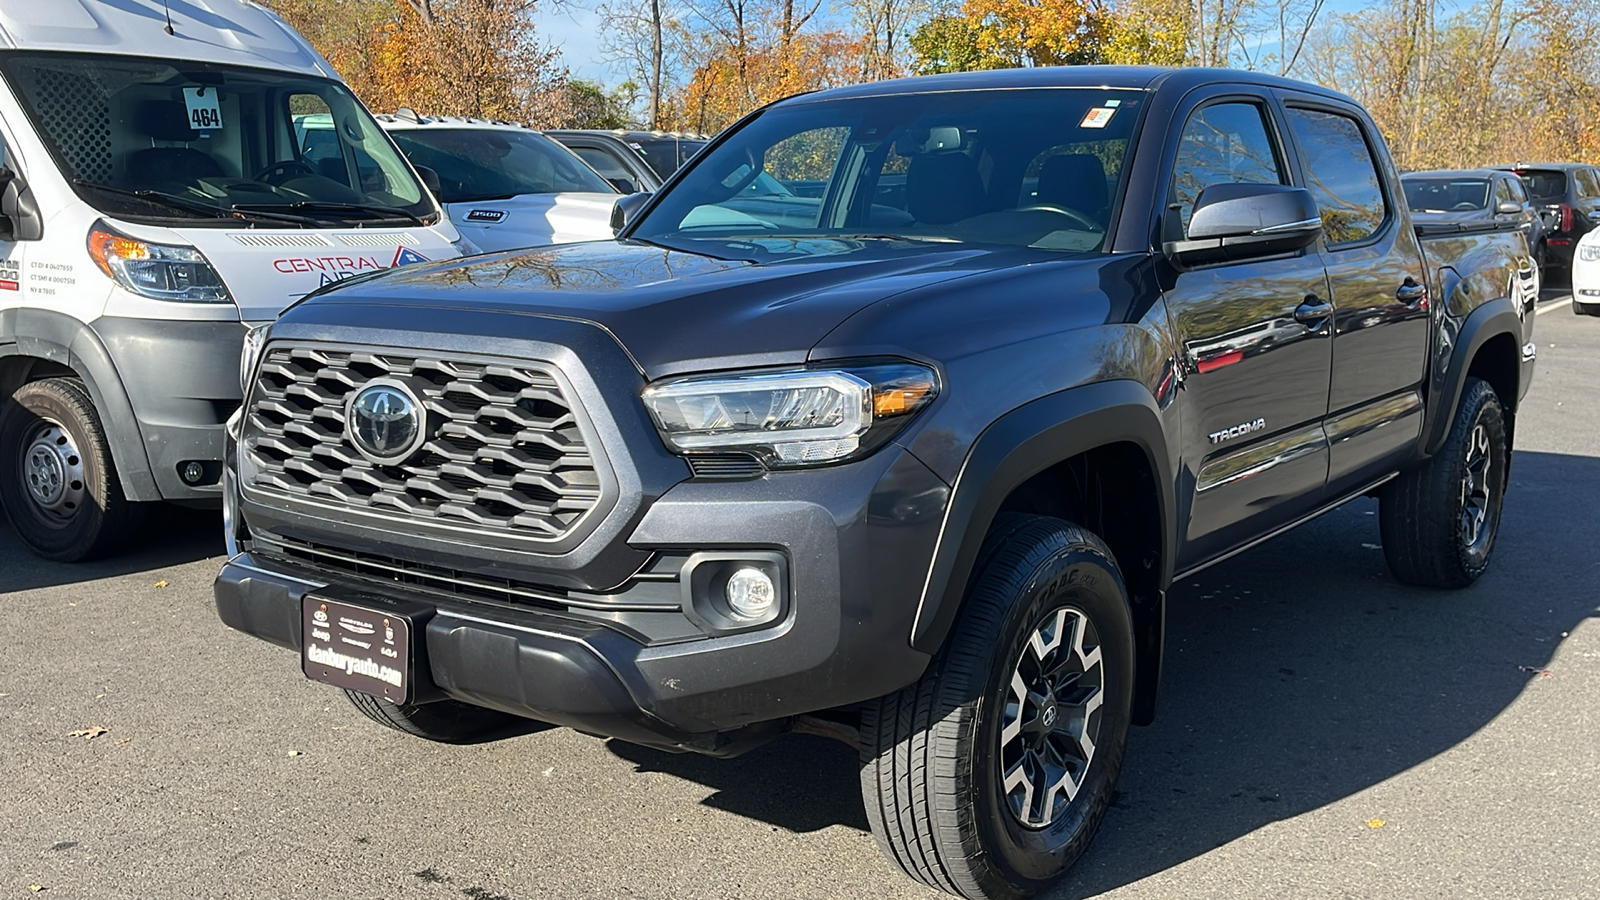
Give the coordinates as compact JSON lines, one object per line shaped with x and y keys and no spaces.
{"x":58,"y":483}
{"x":989,"y":776}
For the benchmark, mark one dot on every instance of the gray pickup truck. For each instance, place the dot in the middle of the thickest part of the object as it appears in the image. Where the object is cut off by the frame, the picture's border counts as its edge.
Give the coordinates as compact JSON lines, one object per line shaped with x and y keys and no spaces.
{"x":893,"y":415}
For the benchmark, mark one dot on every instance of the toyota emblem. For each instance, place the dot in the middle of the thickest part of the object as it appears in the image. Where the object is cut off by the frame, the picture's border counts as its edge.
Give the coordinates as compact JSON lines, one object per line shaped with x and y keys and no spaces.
{"x":384,"y":421}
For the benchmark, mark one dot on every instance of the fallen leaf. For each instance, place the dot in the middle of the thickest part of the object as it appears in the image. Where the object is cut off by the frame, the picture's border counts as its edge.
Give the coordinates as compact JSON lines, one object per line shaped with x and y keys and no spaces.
{"x":122,"y":741}
{"x":294,"y":753}
{"x":1535,"y":670}
{"x":1376,"y":823}
{"x":36,"y":888}
{"x":89,"y":734}
{"x":161,"y":584}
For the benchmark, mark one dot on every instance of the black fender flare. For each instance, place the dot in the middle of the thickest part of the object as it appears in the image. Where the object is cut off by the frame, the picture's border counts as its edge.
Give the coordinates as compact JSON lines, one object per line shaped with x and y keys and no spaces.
{"x":1018,"y":446}
{"x":1489,"y":320}
{"x":57,"y":338}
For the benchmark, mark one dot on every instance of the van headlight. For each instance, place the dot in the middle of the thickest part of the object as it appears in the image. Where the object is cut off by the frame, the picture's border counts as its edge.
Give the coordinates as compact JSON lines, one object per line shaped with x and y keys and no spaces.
{"x":158,"y":271}
{"x":249,"y":355}
{"x":790,"y":418}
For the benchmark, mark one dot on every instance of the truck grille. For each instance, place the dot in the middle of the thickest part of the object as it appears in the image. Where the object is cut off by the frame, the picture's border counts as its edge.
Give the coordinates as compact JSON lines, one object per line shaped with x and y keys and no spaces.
{"x":502,"y":448}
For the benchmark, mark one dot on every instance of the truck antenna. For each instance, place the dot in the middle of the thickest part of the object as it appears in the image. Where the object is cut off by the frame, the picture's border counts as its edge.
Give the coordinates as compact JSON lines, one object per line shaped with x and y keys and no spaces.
{"x":166,"y":8}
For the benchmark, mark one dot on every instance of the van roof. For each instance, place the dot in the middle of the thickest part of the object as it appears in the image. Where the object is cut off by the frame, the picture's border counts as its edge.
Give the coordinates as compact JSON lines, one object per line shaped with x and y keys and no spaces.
{"x":230,"y":32}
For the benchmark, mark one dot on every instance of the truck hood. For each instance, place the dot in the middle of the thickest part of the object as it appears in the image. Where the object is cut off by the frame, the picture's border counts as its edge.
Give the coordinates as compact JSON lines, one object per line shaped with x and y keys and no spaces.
{"x":268,"y":269}
{"x":677,"y":311}
{"x":534,"y":220}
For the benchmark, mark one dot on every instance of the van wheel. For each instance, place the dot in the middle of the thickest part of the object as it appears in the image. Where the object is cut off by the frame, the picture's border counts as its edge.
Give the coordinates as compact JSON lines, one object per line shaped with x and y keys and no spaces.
{"x":989,"y":776}
{"x":57,"y":480}
{"x":1439,"y":521}
{"x":445,"y":721}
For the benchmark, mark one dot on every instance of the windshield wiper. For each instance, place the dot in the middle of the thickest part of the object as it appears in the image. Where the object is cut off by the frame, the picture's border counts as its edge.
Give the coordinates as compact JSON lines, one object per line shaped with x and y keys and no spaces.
{"x":172,"y":201}
{"x":325,"y":206}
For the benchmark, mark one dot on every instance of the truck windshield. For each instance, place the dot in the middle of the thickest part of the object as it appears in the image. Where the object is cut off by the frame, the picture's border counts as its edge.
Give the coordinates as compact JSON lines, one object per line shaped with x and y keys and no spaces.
{"x":476,"y":164}
{"x":1446,"y":194}
{"x":1034,"y":168}
{"x":167,"y":139}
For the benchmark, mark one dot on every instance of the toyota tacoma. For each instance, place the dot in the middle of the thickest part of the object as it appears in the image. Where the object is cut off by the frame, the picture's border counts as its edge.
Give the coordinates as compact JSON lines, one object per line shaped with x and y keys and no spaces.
{"x":893,"y":415}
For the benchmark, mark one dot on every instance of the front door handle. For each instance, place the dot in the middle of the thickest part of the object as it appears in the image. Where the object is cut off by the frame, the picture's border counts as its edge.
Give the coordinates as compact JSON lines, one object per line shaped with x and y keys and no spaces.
{"x":1411,"y":293}
{"x":1313,"y":312}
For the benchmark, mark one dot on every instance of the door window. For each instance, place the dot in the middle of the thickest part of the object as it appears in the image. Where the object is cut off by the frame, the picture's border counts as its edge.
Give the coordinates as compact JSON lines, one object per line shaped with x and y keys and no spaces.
{"x":1341,"y":175}
{"x":1223,"y":143}
{"x":1514,"y":185}
{"x":605,"y":163}
{"x":1502,"y":191}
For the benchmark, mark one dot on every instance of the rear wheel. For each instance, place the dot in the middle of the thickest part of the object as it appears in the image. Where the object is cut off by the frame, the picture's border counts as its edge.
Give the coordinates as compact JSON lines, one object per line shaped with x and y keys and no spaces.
{"x":445,"y":721}
{"x":989,"y":777}
{"x":1439,"y":521}
{"x":57,"y":479}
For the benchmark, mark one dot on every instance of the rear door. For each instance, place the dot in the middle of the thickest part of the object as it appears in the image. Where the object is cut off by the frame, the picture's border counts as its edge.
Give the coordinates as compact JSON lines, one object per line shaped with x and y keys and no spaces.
{"x":1257,"y":350}
{"x":1378,"y":281}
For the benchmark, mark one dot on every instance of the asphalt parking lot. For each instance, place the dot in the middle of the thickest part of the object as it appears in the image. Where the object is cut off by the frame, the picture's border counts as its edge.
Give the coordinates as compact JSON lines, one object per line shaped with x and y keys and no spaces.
{"x":1324,"y":732}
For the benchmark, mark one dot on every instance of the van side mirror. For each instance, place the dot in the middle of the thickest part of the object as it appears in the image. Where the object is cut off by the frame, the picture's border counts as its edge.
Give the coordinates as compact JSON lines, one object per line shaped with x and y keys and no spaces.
{"x":626,"y":210}
{"x":430,"y":180}
{"x":19,"y":212}
{"x":1508,"y":208}
{"x":1243,"y":221}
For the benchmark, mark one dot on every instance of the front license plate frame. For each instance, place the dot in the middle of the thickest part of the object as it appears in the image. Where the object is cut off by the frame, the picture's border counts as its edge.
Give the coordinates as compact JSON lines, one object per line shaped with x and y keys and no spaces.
{"x":365,"y":643}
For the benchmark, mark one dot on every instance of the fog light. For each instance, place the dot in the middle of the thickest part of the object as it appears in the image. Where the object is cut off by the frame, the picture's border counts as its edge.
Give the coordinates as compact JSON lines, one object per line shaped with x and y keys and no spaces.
{"x":750,"y":593}
{"x":193,"y":472}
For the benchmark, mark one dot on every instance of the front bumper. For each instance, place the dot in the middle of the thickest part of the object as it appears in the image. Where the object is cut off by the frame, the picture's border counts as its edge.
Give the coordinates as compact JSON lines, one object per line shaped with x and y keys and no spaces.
{"x":854,"y":539}
{"x":182,"y":380}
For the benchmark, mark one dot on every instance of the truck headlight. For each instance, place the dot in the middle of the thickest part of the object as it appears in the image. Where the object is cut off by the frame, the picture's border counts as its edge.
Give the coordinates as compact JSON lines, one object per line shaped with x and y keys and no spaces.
{"x":157,"y":271}
{"x":795,"y":417}
{"x":1589,"y":252}
{"x":249,"y":355}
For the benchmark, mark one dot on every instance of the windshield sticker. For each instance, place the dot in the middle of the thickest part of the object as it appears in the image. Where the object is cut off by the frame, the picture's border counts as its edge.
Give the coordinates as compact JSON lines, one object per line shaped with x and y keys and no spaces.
{"x":205,"y":113}
{"x":405,"y":256}
{"x":10,"y":275}
{"x":486,"y":215}
{"x":1097,"y":118}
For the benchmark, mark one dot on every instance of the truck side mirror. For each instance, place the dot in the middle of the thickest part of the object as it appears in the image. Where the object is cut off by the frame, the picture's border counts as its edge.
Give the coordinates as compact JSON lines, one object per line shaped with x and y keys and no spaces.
{"x":1508,"y":208}
{"x":19,"y":212}
{"x":1243,"y":221}
{"x":626,"y":210}
{"x":430,"y":180}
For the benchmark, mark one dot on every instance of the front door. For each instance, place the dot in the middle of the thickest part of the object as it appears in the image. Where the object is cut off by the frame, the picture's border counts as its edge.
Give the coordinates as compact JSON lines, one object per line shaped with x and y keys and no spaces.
{"x":1256,"y":344}
{"x":1382,"y":322}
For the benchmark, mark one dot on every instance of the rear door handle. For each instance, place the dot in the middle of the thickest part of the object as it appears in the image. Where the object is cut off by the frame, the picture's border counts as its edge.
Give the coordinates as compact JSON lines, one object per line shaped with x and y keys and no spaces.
{"x":1411,"y":293}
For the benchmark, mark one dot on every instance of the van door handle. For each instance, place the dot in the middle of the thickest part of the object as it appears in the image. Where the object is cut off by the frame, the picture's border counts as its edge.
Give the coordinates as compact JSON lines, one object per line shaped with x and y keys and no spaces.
{"x":1313,"y":312}
{"x":1411,"y":293}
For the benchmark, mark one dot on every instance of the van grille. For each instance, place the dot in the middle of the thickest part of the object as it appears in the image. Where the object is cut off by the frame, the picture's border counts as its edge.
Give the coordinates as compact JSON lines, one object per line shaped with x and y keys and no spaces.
{"x":502,"y":449}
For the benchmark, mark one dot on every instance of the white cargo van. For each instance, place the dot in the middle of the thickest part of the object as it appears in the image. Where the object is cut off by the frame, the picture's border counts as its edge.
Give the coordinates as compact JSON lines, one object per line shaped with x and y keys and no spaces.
{"x":155,"y":204}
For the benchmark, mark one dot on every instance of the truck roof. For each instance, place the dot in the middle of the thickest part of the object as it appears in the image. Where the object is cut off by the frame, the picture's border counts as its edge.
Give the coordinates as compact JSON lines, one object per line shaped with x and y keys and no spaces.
{"x":229,"y":32}
{"x":1126,"y":77}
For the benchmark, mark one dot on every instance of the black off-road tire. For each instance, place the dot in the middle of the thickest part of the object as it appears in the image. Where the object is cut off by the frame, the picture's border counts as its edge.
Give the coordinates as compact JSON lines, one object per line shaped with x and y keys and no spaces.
{"x":934,"y":754}
{"x":1425,"y":514}
{"x":444,"y":721}
{"x":85,"y":515}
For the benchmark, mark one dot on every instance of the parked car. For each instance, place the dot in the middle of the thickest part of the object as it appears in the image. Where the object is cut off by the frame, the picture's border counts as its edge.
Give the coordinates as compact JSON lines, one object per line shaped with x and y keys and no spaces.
{"x":1586,"y":276}
{"x":915,"y":469}
{"x":633,"y":161}
{"x":1473,"y":199}
{"x":503,"y":185}
{"x":1568,"y":197}
{"x":151,"y":210}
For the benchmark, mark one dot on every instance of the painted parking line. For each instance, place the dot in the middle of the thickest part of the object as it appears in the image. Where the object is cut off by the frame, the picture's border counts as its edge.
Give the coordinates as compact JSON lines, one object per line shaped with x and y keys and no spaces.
{"x":1563,"y":302}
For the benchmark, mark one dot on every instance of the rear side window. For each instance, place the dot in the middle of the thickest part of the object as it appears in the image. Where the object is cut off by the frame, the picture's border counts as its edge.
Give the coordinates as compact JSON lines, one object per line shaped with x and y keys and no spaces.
{"x":1588,"y":184}
{"x":1341,"y":174}
{"x":1224,"y":143}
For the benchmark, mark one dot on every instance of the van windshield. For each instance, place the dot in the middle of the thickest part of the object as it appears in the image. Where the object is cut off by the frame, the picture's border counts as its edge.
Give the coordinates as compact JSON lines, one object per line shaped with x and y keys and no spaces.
{"x":1035,"y":168}
{"x":167,"y":139}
